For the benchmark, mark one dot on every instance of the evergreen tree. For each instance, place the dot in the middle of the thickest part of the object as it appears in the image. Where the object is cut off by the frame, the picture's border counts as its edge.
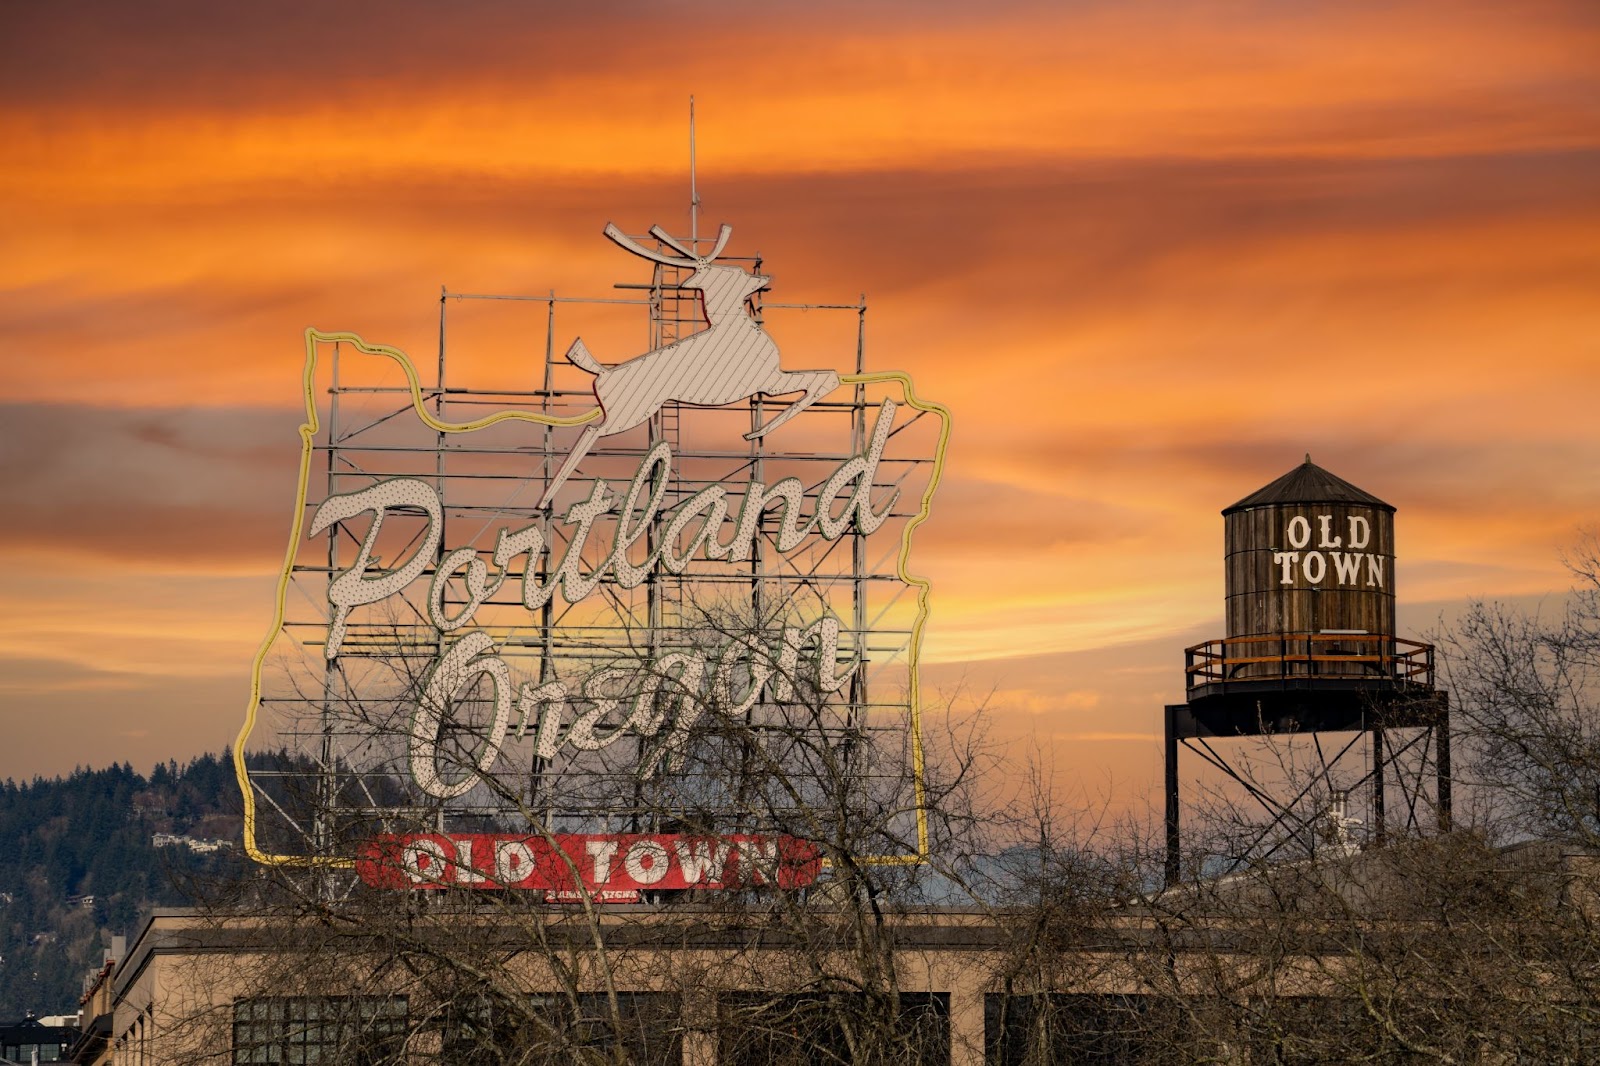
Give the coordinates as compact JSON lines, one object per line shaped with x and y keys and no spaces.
{"x":86,"y":835}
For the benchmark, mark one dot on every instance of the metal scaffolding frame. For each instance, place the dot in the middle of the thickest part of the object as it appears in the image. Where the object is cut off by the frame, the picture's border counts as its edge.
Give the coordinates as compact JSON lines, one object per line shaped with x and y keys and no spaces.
{"x":1397,"y":738}
{"x":340,"y":773}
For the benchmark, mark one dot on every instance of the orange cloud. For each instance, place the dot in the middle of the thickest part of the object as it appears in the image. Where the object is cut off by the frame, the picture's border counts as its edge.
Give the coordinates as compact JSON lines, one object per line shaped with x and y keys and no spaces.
{"x":558,"y":95}
{"x":1149,"y":253}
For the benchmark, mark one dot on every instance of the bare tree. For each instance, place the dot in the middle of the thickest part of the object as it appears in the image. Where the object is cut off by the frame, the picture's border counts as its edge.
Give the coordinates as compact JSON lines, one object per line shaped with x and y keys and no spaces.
{"x":1527,"y":692}
{"x":759,"y":970}
{"x":1477,"y":945}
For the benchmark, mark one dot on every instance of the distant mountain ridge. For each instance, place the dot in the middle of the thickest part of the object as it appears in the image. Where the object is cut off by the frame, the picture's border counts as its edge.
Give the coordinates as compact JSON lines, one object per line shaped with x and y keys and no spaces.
{"x":81,"y":863}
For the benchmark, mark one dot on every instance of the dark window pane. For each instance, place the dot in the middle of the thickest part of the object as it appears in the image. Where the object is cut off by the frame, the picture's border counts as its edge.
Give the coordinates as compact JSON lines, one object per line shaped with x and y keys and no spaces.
{"x":1092,"y":1030}
{"x":832,"y":1029}
{"x":487,"y":1030}
{"x":298,"y":1030}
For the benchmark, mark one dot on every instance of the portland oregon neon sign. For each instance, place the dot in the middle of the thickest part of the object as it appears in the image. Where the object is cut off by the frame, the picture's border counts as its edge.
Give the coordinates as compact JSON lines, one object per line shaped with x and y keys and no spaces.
{"x":520,"y":631}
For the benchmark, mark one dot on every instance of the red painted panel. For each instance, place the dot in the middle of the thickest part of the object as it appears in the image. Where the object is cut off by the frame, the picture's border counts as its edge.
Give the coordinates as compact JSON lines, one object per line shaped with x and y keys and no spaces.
{"x":609,"y":867}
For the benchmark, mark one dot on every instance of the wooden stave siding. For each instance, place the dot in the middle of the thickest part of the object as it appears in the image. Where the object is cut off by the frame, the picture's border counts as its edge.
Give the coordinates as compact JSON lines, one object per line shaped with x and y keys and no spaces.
{"x":1258,"y":604}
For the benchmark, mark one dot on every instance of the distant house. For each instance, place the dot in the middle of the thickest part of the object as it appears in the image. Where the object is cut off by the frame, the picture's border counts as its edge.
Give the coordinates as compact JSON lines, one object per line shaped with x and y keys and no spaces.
{"x":208,"y":845}
{"x":172,"y":840}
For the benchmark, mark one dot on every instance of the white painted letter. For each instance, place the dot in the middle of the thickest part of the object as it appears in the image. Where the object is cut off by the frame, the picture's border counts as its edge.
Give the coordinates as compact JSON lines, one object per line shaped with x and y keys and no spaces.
{"x":868,"y":521}
{"x":701,"y":860}
{"x":1357,"y":522}
{"x":1314,"y":574}
{"x":628,"y":531}
{"x":792,"y":491}
{"x":508,"y":546}
{"x":1302,"y":537}
{"x":1286,"y":560}
{"x":713,"y":499}
{"x":478,"y":588}
{"x":463,"y":662}
{"x":684,"y":692}
{"x":582,"y":735}
{"x":825,"y":631}
{"x":552,"y":695}
{"x":575,"y":585}
{"x":758,"y":860}
{"x":1375,"y":570}
{"x":602,"y":852}
{"x":424,"y":860}
{"x":1325,"y":521}
{"x":353,"y":588}
{"x":1346,"y":566}
{"x":465,"y":874}
{"x":760,"y":669}
{"x":513,"y":861}
{"x":634,"y":861}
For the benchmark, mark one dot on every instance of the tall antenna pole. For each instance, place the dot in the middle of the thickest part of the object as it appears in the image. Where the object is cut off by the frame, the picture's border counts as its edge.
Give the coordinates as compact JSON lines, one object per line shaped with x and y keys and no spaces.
{"x":694,"y":196}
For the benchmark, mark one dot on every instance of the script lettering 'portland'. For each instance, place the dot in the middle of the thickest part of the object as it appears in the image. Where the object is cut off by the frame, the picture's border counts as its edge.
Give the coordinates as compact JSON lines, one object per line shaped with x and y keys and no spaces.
{"x":689,"y":681}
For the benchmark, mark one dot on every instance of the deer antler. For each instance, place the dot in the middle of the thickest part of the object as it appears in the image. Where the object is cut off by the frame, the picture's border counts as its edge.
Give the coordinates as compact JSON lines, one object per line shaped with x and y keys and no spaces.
{"x":722,"y":242}
{"x":672,"y":242}
{"x":629,"y":244}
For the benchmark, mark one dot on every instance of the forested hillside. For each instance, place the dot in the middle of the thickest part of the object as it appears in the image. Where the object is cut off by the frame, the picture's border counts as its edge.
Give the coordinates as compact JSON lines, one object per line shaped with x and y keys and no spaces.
{"x":80,"y":864}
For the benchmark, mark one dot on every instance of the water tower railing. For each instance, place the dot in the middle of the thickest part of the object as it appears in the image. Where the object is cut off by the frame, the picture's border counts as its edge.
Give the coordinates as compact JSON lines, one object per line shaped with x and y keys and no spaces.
{"x":1300,"y":657}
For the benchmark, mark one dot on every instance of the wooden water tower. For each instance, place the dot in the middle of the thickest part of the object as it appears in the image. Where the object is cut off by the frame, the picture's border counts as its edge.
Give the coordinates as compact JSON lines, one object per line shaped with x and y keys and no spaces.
{"x":1311,"y":648}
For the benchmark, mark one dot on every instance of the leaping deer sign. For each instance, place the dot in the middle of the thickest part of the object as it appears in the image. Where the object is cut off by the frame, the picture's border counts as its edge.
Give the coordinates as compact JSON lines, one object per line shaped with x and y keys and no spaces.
{"x":730,"y":360}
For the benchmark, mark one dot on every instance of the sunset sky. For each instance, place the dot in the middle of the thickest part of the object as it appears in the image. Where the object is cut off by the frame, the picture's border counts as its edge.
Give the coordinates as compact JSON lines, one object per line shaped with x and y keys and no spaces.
{"x":1150,"y":254}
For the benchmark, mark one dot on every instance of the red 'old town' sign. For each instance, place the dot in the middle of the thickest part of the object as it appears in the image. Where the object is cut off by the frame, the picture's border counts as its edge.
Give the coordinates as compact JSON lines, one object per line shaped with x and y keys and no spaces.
{"x":602,"y":866}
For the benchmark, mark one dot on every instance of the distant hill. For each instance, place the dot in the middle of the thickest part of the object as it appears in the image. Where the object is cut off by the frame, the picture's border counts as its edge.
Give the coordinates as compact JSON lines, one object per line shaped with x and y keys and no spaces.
{"x":81,"y":863}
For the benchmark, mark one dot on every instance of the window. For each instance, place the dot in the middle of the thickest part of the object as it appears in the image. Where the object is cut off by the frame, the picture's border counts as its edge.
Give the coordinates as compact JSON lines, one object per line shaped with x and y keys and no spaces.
{"x":297,"y":1030}
{"x":489,"y":1029}
{"x":1303,"y":1030}
{"x":1102,"y":1030}
{"x":822,"y":1029}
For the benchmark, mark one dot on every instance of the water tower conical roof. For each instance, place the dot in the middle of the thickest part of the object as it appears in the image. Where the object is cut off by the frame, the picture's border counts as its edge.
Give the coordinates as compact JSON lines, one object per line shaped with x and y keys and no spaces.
{"x":1308,"y":483}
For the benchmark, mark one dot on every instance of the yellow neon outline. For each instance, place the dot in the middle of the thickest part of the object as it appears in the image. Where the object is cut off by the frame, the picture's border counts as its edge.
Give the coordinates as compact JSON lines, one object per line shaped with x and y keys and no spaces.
{"x":924,"y":588}
{"x":308,"y":431}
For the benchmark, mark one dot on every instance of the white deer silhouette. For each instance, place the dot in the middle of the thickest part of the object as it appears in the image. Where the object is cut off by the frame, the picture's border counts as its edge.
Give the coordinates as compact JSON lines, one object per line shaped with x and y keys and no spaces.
{"x":731,"y":359}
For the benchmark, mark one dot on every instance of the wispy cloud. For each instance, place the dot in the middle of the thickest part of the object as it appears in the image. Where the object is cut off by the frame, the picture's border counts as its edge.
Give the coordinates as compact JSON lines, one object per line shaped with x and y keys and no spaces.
{"x":1150,"y":253}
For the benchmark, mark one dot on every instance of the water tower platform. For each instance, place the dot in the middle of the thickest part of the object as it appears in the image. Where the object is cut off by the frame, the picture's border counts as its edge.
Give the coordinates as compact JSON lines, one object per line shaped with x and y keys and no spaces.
{"x":1303,"y":683}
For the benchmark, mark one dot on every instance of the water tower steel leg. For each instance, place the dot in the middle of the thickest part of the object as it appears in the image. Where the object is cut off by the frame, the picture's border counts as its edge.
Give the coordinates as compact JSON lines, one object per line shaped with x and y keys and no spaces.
{"x":1442,"y":736}
{"x":1172,"y":797}
{"x":1380,"y":831}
